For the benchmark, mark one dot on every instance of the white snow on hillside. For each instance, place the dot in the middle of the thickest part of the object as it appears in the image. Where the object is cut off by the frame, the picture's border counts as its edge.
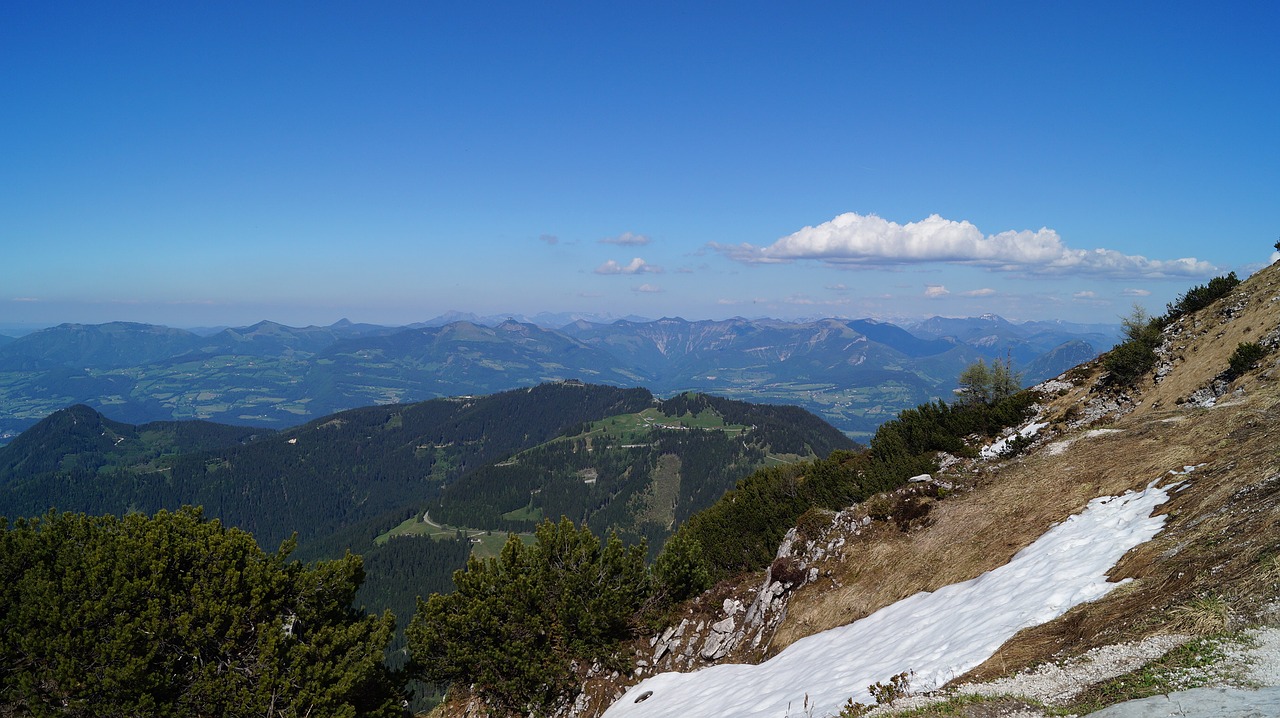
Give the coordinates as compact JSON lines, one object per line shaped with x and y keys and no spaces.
{"x":937,"y":635}
{"x":1000,"y":446}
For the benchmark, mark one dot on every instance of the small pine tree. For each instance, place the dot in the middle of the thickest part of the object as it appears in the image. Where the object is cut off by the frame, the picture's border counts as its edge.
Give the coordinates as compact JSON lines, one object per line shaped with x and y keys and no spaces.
{"x":1005,"y":382}
{"x":175,"y":615}
{"x":1246,"y":355}
{"x":976,"y":383}
{"x":680,"y":572}
{"x":518,"y":623}
{"x":1133,"y":358}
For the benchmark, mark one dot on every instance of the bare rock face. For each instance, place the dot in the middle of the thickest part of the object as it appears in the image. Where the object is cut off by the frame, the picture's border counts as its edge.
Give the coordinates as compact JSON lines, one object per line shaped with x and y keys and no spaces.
{"x":720,"y":640}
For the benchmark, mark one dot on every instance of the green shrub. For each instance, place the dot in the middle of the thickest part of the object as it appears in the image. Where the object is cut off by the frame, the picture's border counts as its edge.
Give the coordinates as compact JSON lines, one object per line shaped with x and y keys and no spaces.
{"x":1201,"y":296}
{"x":517,"y":623}
{"x":813,"y":522}
{"x":1133,"y":358}
{"x":680,"y":571}
{"x":1246,"y":355}
{"x":175,"y":615}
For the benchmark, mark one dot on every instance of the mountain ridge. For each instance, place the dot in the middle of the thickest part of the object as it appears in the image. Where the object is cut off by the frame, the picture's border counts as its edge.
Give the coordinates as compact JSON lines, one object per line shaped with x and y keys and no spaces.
{"x":854,"y":373}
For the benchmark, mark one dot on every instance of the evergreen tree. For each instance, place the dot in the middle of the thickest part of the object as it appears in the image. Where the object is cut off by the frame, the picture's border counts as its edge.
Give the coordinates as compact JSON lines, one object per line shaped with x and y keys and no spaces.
{"x":173,"y":615}
{"x":680,"y":571}
{"x":516,"y":623}
{"x":1005,"y":382}
{"x":976,"y":383}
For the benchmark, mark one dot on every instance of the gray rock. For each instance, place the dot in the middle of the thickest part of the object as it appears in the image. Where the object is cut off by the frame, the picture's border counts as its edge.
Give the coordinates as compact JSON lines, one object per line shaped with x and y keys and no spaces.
{"x":1201,"y":703}
{"x":721,"y":640}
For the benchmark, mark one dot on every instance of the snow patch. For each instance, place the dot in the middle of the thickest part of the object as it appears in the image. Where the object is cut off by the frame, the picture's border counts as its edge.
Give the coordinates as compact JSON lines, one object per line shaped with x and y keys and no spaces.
{"x":1058,"y":447}
{"x":937,"y":635}
{"x":999,"y":447}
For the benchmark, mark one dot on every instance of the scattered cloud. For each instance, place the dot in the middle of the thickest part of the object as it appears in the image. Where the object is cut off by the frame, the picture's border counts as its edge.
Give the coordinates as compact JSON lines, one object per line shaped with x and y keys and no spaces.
{"x":854,"y":240}
{"x":1085,"y":295}
{"x":837,"y":287}
{"x":549,"y":238}
{"x":635,"y":266}
{"x":627,"y":239}
{"x":25,"y":299}
{"x":1135,"y":293}
{"x":984,"y":292}
{"x":803,"y":300}
{"x":933,"y":291}
{"x":590,"y":295}
{"x":647,"y":289}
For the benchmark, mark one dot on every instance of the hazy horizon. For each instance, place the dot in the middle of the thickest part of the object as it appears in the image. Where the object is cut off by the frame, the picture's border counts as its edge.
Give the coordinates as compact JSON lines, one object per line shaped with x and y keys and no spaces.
{"x":552,"y":320}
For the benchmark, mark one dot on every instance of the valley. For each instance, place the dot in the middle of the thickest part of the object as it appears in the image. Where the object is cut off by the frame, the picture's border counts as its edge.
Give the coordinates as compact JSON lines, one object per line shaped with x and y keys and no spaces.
{"x":856,"y":374}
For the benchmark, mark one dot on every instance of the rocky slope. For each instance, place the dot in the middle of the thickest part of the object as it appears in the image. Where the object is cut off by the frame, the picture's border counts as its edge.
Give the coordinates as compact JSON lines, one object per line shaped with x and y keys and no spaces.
{"x":1215,"y":567}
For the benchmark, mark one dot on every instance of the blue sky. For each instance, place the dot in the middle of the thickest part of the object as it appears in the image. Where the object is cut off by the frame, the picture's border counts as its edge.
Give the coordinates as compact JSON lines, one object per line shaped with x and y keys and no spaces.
{"x":220,"y":163}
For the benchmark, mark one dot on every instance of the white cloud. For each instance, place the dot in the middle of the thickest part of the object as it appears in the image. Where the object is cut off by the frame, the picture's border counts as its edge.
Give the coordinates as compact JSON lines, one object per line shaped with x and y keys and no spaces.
{"x":807,"y":301}
{"x":1084,"y":295}
{"x":627,"y":239}
{"x":984,"y":292}
{"x":933,"y":291}
{"x":1135,"y":293}
{"x":857,"y":240}
{"x":25,"y":299}
{"x":647,"y":289}
{"x":837,"y":287}
{"x":635,"y":266}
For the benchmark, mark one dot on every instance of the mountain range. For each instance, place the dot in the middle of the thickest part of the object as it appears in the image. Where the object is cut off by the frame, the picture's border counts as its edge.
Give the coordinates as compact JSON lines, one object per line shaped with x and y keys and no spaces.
{"x":854,"y":373}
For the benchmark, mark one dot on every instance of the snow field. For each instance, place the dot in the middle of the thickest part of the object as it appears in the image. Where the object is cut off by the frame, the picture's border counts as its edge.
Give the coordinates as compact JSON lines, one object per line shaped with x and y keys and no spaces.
{"x":937,"y":635}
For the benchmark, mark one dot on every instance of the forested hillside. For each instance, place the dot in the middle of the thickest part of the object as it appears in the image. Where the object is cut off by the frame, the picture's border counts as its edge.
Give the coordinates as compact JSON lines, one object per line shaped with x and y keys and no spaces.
{"x":313,"y":480}
{"x":640,"y":474}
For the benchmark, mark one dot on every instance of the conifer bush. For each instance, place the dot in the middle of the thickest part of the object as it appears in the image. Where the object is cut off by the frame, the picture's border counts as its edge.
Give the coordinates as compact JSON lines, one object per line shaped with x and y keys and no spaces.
{"x":1133,"y":358}
{"x":1201,"y":296}
{"x":517,"y":624}
{"x":174,"y":615}
{"x":1246,"y":355}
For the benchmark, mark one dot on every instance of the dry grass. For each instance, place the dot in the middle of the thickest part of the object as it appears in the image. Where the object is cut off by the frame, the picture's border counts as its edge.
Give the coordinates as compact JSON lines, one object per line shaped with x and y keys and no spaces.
{"x":1209,"y":338}
{"x":1203,"y":616}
